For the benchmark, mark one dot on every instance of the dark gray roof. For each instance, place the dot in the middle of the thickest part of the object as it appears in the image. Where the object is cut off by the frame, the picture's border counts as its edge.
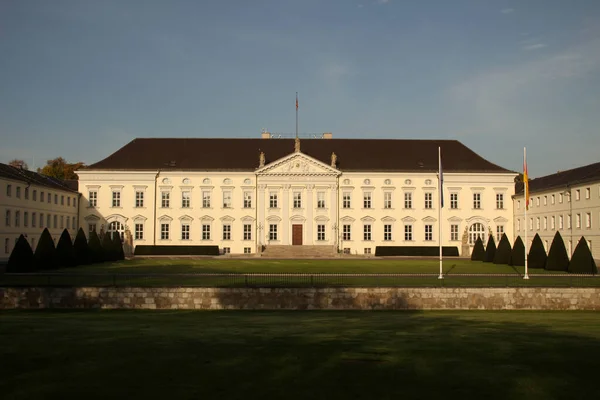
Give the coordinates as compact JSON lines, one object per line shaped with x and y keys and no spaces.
{"x":26,"y":176}
{"x":562,"y":179}
{"x":243,"y":154}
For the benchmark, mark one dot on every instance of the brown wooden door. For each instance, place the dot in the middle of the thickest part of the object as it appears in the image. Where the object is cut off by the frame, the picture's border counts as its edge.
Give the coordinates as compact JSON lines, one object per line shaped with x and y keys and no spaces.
{"x":297,"y":235}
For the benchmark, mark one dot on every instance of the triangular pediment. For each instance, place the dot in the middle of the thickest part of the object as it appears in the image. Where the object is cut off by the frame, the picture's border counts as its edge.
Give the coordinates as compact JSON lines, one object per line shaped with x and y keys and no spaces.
{"x":297,"y":164}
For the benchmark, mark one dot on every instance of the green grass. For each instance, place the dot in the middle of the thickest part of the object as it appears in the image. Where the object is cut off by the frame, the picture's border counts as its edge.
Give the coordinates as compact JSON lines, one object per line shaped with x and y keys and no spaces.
{"x":299,"y":355}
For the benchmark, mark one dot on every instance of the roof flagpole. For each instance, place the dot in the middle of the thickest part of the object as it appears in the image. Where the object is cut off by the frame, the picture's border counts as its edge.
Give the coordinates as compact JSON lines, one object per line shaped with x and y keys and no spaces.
{"x":296,"y":115}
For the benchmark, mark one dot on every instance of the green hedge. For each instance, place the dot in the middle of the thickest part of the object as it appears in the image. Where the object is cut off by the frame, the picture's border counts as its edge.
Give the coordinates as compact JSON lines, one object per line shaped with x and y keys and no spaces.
{"x":582,"y":261}
{"x":21,"y":258}
{"x":558,"y":259}
{"x":45,"y":252}
{"x":517,"y":256}
{"x":149,"y":250}
{"x":64,"y":251}
{"x":81,"y":251}
{"x":96,"y":249}
{"x":490,"y":250}
{"x":415,"y":251}
{"x":537,"y":254}
{"x":478,"y":253}
{"x":503,"y":251}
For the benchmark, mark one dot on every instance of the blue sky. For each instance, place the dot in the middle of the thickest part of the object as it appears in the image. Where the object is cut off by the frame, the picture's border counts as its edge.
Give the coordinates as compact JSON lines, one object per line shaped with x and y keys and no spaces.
{"x":81,"y":78}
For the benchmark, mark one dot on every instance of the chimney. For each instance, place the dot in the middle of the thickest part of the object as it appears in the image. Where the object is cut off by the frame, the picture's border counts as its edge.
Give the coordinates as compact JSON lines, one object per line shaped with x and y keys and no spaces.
{"x":328,"y":135}
{"x":265,"y":135}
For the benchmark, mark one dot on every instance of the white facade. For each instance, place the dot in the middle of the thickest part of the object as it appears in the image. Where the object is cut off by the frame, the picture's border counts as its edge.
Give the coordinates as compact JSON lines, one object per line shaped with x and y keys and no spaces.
{"x":296,"y":200}
{"x":28,"y":208}
{"x":574,"y":211}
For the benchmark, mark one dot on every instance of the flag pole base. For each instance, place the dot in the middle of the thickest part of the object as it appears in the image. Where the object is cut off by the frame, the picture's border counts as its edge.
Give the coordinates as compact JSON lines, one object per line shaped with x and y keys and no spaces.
{"x":525,"y":276}
{"x":441,"y":276}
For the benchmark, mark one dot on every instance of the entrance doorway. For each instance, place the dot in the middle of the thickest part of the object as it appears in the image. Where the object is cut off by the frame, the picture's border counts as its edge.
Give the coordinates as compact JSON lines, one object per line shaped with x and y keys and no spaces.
{"x":297,"y":235}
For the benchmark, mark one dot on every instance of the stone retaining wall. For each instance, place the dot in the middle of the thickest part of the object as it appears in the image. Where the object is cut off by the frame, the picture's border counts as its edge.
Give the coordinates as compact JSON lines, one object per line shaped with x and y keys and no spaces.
{"x":303,"y":298}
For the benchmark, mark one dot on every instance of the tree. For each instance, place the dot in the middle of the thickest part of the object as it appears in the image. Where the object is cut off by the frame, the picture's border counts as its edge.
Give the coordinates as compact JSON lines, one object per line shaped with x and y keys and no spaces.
{"x":96,"y":250}
{"x":59,"y":168}
{"x":582,"y":261}
{"x":21,"y":258}
{"x":18,"y":164}
{"x":478,"y":253}
{"x":44,"y":256}
{"x":537,"y":254}
{"x":118,"y":247}
{"x":558,"y":259}
{"x":109,"y":248}
{"x":64,"y":251}
{"x":81,"y":251}
{"x":490,"y":249}
{"x":503,"y":251}
{"x":517,"y":257}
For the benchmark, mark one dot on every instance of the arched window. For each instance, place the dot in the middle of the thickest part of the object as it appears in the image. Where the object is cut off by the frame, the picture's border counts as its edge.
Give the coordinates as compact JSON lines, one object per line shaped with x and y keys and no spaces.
{"x":116,"y":226}
{"x":477,"y":230}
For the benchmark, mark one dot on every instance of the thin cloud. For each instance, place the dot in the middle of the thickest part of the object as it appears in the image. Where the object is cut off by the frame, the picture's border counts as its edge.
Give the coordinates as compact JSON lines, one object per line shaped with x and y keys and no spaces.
{"x":535,"y":46}
{"x":507,"y":10}
{"x":383,"y":1}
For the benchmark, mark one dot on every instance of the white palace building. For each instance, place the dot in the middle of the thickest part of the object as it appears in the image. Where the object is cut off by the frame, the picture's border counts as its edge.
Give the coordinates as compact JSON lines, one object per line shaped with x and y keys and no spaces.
{"x":344,"y":195}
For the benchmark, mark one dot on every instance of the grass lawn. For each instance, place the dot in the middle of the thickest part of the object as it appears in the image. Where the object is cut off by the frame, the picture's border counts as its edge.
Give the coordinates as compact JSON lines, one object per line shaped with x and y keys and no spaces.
{"x":299,"y":355}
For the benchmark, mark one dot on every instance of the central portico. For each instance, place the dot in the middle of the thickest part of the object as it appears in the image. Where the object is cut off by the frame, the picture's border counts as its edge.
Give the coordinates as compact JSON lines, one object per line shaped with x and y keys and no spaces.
{"x":297,"y":201}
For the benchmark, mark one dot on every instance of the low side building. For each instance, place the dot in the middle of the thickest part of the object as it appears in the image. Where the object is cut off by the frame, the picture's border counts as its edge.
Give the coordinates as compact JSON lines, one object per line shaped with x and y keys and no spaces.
{"x":30,"y":202}
{"x":568,"y":202}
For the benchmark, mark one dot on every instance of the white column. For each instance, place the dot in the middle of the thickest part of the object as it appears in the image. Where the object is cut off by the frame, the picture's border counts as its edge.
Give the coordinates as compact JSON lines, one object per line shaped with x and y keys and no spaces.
{"x":260,"y":221}
{"x":309,"y":214}
{"x":285,"y":216}
{"x":333,"y":214}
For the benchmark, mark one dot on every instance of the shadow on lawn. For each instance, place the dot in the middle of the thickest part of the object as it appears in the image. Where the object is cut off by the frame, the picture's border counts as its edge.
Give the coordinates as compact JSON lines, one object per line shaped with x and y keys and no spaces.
{"x":314,"y":355}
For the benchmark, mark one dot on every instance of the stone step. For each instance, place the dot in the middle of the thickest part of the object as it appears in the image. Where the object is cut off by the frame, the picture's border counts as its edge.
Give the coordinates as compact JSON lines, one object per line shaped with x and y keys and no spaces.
{"x":280,"y":251}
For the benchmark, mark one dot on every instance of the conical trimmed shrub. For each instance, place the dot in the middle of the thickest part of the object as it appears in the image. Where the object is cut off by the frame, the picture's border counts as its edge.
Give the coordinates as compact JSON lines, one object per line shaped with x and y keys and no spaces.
{"x":537,"y":254}
{"x":582,"y":261}
{"x":558,"y":259}
{"x":81,"y":251}
{"x":517,"y":256}
{"x":64,"y":251}
{"x":118,"y":247}
{"x":107,"y":245}
{"x":478,"y":253}
{"x":490,"y":250}
{"x":96,"y":250}
{"x":503,"y":251}
{"x":44,"y":256}
{"x":21,"y":257}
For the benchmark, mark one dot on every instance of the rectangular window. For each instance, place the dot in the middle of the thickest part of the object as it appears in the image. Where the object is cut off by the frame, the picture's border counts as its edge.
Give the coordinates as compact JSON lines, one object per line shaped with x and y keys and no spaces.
{"x":428,"y":232}
{"x":139,"y":231}
{"x":518,"y":224}
{"x":116,"y":198}
{"x":320,"y":232}
{"x":569,"y":221}
{"x":477,"y":201}
{"x":530,"y":224}
{"x":578,"y":220}
{"x":320,"y":199}
{"x":9,"y":191}
{"x":387,"y":200}
{"x":561,"y":224}
{"x":545,"y":223}
{"x":92,"y":196}
{"x":346,"y":200}
{"x":185,"y":232}
{"x":74,"y":222}
{"x":273,"y":200}
{"x":408,"y":232}
{"x":367,"y":250}
{"x":577,"y":195}
{"x":247,"y":199}
{"x":553,"y":222}
{"x":50,"y":198}
{"x":139,"y":199}
{"x":18,"y":192}
{"x":367,"y":232}
{"x":69,"y":201}
{"x":227,"y":199}
{"x":588,"y":220}
{"x":560,"y":198}
{"x":205,"y":232}
{"x":545,"y":200}
{"x":7,"y":220}
{"x":226,"y":250}
{"x":247,"y":250}
{"x":34,"y":220}
{"x":346,"y":232}
{"x":91,"y":228}
{"x":537,"y":201}
{"x":205,"y":199}
{"x":165,"y":199}
{"x":499,"y":233}
{"x":408,"y":200}
{"x":41,"y":220}
{"x":18,"y":219}
{"x":272,"y":231}
{"x":55,"y":199}
{"x":367,"y":200}
{"x":537,"y":223}
{"x":587,"y":193}
{"x":26,"y":193}
{"x":297,"y":200}
{"x":552,"y":199}
{"x":6,"y":245}
{"x":49,"y":221}
{"x":518,"y":204}
{"x":55,"y":220}
{"x":387,"y":232}
{"x":499,"y":201}
{"x":62,"y":200}
{"x":454,"y":201}
{"x":186,"y":199}
{"x":226,"y":232}
{"x":164,"y":231}
{"x":454,"y":232}
{"x":247,"y":231}
{"x":42,"y":196}
{"x":428,"y":200}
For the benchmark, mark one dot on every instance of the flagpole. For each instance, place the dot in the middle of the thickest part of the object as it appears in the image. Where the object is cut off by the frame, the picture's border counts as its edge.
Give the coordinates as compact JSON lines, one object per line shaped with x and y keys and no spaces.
{"x":440,"y":205}
{"x":296,"y":115}
{"x":526,"y":193}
